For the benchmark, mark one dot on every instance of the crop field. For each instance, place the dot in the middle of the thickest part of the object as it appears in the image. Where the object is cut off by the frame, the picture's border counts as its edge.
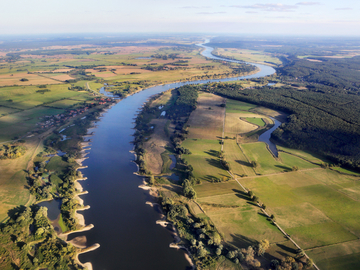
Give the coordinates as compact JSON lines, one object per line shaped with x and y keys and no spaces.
{"x":206,"y":122}
{"x":234,"y":106}
{"x":302,"y":154}
{"x":249,"y":55}
{"x":32,"y":79}
{"x":313,"y":206}
{"x":204,"y":158}
{"x":257,"y":121}
{"x":239,"y":164}
{"x":6,"y":110}
{"x":25,"y":97}
{"x":267,"y":164}
{"x":234,"y":125}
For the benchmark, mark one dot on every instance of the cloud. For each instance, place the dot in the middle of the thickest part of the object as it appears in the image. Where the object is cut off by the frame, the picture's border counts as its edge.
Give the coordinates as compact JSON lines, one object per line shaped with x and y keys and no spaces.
{"x":270,"y":7}
{"x":251,"y":12}
{"x":308,"y":3}
{"x":196,"y":7}
{"x":345,"y":8}
{"x":207,"y":13}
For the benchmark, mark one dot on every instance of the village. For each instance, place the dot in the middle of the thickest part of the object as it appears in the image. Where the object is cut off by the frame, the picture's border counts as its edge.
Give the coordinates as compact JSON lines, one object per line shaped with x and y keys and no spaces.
{"x":49,"y":121}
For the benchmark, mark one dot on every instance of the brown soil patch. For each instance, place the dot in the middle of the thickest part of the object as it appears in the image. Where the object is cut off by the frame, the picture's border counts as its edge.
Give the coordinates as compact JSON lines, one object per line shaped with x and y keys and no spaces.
{"x":155,"y":146}
{"x":206,"y":123}
{"x":32,"y":79}
{"x":234,"y":125}
{"x":47,"y":57}
{"x":62,"y":77}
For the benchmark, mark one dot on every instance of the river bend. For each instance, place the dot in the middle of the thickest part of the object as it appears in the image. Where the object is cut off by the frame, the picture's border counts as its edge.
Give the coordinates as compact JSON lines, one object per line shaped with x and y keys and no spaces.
{"x":124,"y":225}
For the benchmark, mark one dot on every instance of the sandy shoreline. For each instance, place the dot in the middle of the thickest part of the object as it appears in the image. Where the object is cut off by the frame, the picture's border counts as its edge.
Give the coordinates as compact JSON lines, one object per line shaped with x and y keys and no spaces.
{"x":153,"y":192}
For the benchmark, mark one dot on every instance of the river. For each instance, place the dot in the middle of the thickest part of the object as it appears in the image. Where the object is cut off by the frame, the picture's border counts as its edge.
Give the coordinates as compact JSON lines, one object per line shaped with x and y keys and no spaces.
{"x":124,"y":225}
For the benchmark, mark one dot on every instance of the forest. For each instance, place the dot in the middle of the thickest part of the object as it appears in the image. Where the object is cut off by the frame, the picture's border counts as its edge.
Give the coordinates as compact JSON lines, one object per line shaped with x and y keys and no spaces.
{"x":329,"y":75}
{"x":323,"y":123}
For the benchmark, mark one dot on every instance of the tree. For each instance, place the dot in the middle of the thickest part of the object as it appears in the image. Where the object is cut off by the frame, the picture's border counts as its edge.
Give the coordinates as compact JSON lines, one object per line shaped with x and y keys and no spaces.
{"x":295,"y":168}
{"x":188,"y":190}
{"x":201,"y":252}
{"x":151,"y":180}
{"x":254,"y":164}
{"x":309,"y":263}
{"x":263,"y":245}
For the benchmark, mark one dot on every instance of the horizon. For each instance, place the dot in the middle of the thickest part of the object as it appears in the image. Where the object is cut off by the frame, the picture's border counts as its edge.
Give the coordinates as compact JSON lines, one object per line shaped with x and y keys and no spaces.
{"x":320,"y":18}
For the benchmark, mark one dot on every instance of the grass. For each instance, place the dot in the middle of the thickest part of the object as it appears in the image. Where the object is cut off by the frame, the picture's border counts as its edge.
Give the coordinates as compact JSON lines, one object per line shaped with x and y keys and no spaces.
{"x":249,"y":55}
{"x":62,"y":225}
{"x":22,"y":122}
{"x":302,"y":154}
{"x":339,"y":256}
{"x":204,"y":160}
{"x":321,"y":234}
{"x":57,"y":165}
{"x":267,"y":164}
{"x":257,"y":121}
{"x":316,"y":206}
{"x":26,"y":97}
{"x":238,"y":162}
{"x":166,"y":162}
{"x":13,"y":180}
{"x":234,"y":106}
{"x":347,"y":171}
{"x":234,"y":125}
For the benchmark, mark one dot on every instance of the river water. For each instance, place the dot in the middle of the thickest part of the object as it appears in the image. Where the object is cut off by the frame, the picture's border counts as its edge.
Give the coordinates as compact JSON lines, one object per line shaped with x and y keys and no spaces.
{"x":124,"y":225}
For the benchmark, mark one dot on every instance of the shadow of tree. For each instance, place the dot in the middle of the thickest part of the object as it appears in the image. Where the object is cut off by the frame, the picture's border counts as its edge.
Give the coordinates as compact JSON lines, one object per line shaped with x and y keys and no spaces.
{"x":214,"y":162}
{"x":286,"y":248}
{"x":288,"y":169}
{"x":242,"y":241}
{"x":262,"y":214}
{"x":213,"y":153}
{"x":241,"y":194}
{"x":244,"y":163}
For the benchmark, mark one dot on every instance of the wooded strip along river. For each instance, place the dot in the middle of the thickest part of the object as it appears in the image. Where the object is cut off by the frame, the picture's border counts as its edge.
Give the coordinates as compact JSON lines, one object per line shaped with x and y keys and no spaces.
{"x":125,"y":226}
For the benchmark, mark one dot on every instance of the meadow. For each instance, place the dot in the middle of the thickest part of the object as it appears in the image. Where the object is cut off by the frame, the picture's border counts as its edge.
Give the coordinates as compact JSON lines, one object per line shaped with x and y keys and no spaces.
{"x":317,"y":207}
{"x":249,"y":56}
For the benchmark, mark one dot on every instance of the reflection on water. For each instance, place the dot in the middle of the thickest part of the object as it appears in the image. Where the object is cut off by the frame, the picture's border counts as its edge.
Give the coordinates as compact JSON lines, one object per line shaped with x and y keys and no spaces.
{"x":265,"y":137}
{"x":53,"y":208}
{"x":173,"y":162}
{"x":124,"y":226}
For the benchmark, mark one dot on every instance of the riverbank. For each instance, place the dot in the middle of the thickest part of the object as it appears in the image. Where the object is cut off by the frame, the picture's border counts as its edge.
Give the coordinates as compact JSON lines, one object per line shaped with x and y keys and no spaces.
{"x":112,"y":165}
{"x":154,"y":195}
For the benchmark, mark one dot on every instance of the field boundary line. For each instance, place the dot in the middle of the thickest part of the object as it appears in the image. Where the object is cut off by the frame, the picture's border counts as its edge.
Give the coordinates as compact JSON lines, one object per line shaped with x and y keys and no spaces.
{"x":278,"y":226}
{"x":314,"y":248}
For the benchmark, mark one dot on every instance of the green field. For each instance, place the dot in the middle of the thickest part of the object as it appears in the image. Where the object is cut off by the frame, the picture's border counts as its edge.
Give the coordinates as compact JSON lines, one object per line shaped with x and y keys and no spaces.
{"x":239,"y":164}
{"x":316,"y":206}
{"x":257,"y":121}
{"x":204,"y":159}
{"x":234,"y":106}
{"x":249,"y":55}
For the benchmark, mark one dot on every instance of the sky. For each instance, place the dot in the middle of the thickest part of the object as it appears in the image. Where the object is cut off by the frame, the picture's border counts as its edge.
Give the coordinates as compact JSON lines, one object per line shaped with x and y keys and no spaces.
{"x":316,"y":18}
